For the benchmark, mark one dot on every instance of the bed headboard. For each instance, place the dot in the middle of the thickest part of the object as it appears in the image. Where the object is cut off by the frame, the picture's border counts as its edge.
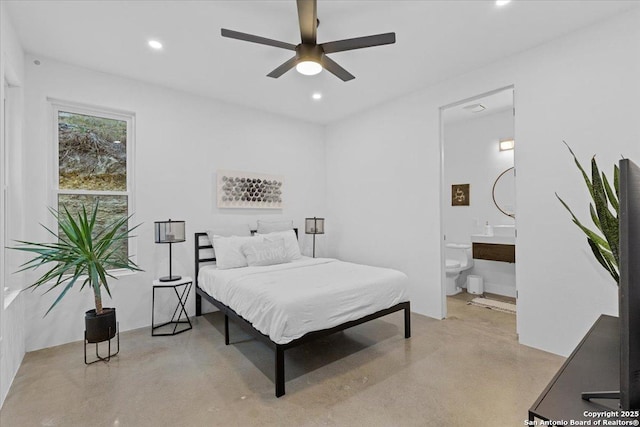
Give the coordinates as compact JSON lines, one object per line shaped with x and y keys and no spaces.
{"x":204,"y":250}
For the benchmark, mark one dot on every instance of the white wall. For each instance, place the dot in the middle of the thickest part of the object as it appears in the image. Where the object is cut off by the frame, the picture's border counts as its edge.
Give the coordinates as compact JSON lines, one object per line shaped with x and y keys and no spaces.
{"x":181,"y":140}
{"x":12,"y":330}
{"x":386,"y":163}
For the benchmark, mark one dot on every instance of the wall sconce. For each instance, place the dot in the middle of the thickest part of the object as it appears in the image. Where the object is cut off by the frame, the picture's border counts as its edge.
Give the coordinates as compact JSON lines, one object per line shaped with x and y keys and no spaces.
{"x":169,"y":232}
{"x":314,"y":226}
{"x":507,"y":144}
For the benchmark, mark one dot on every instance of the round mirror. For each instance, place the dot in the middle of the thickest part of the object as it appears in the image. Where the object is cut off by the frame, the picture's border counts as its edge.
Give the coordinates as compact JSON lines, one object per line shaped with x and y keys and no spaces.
{"x":504,"y":192}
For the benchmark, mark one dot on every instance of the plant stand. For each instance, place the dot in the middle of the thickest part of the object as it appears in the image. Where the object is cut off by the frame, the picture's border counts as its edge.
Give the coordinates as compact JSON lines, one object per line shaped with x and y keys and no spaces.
{"x":109,"y":355}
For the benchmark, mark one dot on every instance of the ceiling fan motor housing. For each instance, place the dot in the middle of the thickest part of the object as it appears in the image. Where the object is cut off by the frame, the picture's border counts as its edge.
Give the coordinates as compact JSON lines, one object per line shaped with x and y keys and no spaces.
{"x":309,"y":52}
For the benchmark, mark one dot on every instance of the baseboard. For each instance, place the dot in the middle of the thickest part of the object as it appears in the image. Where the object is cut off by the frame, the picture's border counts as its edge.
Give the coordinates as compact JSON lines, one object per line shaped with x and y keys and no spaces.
{"x":498,"y":289}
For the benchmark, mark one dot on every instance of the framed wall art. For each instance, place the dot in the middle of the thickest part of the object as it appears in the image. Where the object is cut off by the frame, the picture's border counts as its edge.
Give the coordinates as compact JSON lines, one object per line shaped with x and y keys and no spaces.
{"x":249,"y":190}
{"x":460,"y":195}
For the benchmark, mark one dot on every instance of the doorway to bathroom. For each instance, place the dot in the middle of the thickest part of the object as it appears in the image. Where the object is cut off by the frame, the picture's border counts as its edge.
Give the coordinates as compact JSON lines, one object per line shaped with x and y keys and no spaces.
{"x":478,"y":207}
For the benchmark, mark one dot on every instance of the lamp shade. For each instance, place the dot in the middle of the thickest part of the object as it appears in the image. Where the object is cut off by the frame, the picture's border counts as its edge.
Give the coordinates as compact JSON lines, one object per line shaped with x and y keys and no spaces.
{"x":169,"y":231}
{"x":314,"y":225}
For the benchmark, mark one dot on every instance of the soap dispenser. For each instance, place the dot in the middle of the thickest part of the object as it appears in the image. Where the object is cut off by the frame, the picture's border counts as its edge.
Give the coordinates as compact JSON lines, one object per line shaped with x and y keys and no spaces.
{"x":488,"y":230}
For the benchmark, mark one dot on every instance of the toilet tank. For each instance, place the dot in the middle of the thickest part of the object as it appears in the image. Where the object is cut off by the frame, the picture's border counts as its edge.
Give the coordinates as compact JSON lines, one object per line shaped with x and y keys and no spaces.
{"x":460,"y":252}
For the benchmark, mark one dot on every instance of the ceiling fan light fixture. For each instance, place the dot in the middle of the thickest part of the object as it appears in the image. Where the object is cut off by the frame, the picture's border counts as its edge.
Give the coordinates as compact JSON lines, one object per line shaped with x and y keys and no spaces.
{"x":308,"y":68}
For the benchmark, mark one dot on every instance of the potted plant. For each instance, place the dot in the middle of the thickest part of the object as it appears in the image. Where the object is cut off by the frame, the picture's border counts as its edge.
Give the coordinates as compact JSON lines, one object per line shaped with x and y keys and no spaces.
{"x":83,"y":252}
{"x":604,"y":211}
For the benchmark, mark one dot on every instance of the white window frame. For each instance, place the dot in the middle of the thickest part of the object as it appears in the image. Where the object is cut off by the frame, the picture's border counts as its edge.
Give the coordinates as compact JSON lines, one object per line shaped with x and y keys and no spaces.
{"x":11,"y":286}
{"x":4,"y":285}
{"x":108,"y":113}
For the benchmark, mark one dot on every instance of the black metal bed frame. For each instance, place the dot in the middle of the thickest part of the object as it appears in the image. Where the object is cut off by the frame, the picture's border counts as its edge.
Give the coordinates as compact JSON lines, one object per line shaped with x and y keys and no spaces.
{"x":280,"y":348}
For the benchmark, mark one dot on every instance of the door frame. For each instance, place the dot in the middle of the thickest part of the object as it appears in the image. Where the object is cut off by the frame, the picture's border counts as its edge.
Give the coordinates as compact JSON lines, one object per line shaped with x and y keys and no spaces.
{"x":444,"y":197}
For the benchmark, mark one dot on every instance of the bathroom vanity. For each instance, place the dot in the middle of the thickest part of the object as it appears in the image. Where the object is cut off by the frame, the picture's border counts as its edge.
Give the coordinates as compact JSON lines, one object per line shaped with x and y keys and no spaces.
{"x":494,"y":260}
{"x":494,"y":252}
{"x":494,"y":248}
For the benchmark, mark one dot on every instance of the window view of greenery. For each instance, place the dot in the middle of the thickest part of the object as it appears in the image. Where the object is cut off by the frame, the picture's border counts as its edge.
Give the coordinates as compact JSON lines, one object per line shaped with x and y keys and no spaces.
{"x":92,"y":152}
{"x":92,"y":158}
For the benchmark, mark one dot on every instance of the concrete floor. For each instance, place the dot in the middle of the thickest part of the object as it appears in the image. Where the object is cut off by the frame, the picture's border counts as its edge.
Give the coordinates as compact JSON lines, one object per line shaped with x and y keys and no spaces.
{"x":467,"y":370}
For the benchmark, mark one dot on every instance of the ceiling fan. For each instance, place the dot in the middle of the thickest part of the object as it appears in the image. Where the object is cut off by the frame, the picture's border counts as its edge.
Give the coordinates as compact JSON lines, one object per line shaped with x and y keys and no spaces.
{"x":311,"y":57}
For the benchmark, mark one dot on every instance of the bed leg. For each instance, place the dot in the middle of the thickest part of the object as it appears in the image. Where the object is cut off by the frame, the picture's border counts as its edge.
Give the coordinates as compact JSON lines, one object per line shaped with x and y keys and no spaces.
{"x":226,"y":330}
{"x":198,"y":305}
{"x":407,"y":321}
{"x":279,"y":371}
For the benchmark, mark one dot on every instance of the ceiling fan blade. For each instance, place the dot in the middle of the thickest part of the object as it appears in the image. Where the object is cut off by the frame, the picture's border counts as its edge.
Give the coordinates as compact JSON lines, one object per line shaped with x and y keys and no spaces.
{"x":359,"y":42}
{"x":283,"y":68}
{"x":256,"y":39}
{"x":308,"y":20}
{"x":331,"y":66}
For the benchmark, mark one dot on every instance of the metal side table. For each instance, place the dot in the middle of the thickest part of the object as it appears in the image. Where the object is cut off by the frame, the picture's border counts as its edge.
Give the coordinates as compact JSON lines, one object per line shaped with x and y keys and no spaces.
{"x":182,"y":288}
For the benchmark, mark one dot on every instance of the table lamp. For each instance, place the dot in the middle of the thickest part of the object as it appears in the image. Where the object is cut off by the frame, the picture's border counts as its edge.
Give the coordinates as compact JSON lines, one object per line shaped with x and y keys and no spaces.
{"x":169,"y":232}
{"x":314,"y":226}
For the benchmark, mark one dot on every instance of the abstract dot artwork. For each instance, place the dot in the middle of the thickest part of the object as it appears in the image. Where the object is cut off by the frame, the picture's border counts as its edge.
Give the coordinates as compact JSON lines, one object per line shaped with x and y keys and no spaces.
{"x":249,"y":190}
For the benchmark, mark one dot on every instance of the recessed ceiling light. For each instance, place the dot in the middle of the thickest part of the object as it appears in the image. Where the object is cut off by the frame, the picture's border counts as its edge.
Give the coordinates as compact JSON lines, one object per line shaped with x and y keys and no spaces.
{"x":502,"y":2}
{"x":155,"y":44}
{"x":316,"y":96}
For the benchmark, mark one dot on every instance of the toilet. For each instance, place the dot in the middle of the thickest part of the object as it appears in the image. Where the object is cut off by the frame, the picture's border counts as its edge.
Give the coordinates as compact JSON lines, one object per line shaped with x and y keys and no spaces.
{"x":458,"y":259}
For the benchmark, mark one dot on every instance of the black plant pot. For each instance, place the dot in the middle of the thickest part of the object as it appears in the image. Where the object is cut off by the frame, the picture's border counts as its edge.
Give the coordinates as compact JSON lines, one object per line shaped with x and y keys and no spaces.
{"x":100,"y":327}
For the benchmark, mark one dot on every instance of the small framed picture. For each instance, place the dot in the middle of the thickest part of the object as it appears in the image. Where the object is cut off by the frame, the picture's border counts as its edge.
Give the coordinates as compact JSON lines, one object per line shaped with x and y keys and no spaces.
{"x":460,"y":195}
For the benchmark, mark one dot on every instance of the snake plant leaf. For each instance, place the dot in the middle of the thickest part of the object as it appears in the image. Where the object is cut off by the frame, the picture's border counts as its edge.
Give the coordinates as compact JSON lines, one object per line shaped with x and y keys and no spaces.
{"x":604,"y":213}
{"x":608,"y":223}
{"x":594,"y":216}
{"x":587,"y":181}
{"x":616,"y":180}
{"x":613,"y":199}
{"x":598,"y":255}
{"x":590,"y":234}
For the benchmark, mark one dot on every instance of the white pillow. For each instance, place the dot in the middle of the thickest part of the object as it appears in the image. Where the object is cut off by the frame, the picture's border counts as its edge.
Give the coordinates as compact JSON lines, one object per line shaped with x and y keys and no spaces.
{"x":229,"y":251}
{"x":265,"y":252}
{"x":291,"y":247}
{"x":228,"y":231}
{"x":265,"y":227}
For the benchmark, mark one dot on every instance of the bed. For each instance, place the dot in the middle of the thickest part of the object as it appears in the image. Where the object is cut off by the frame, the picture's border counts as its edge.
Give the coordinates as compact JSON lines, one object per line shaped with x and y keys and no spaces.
{"x":270,"y":304}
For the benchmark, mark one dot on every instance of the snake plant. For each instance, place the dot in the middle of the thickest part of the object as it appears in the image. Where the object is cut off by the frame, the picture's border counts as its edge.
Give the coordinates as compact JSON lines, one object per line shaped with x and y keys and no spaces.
{"x":604,"y":210}
{"x":81,"y":251}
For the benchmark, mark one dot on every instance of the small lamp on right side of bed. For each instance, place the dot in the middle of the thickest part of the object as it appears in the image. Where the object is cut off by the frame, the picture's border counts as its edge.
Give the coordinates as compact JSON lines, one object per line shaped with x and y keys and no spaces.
{"x":314,"y":226}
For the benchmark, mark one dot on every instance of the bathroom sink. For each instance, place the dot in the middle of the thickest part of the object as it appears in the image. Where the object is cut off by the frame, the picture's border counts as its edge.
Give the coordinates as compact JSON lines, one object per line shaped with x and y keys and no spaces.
{"x":500,"y":240}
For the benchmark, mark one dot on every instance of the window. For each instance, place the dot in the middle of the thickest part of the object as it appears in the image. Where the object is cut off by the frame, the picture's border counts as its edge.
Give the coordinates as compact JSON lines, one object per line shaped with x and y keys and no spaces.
{"x":93,"y":163}
{"x":3,"y":188}
{"x":9,"y":207}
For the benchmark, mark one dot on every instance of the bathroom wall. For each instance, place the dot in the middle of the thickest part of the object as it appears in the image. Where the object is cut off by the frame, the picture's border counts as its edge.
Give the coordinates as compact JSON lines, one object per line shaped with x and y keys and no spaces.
{"x":471,"y":156}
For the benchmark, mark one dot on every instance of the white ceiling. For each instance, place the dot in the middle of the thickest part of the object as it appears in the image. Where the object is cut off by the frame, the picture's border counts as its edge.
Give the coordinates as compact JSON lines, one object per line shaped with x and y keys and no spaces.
{"x":435,"y":41}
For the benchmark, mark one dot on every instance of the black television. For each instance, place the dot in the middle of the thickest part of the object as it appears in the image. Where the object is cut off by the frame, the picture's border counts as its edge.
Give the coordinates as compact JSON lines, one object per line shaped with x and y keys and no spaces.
{"x":629,"y":291}
{"x":629,"y":299}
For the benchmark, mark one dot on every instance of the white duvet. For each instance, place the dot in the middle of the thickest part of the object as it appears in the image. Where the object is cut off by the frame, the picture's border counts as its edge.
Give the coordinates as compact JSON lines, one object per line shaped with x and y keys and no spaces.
{"x":286,"y":301}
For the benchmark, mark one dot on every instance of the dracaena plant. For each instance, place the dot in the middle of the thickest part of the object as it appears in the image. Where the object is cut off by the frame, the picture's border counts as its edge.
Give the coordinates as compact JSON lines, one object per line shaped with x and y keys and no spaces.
{"x":82,"y":252}
{"x":604,"y":210}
